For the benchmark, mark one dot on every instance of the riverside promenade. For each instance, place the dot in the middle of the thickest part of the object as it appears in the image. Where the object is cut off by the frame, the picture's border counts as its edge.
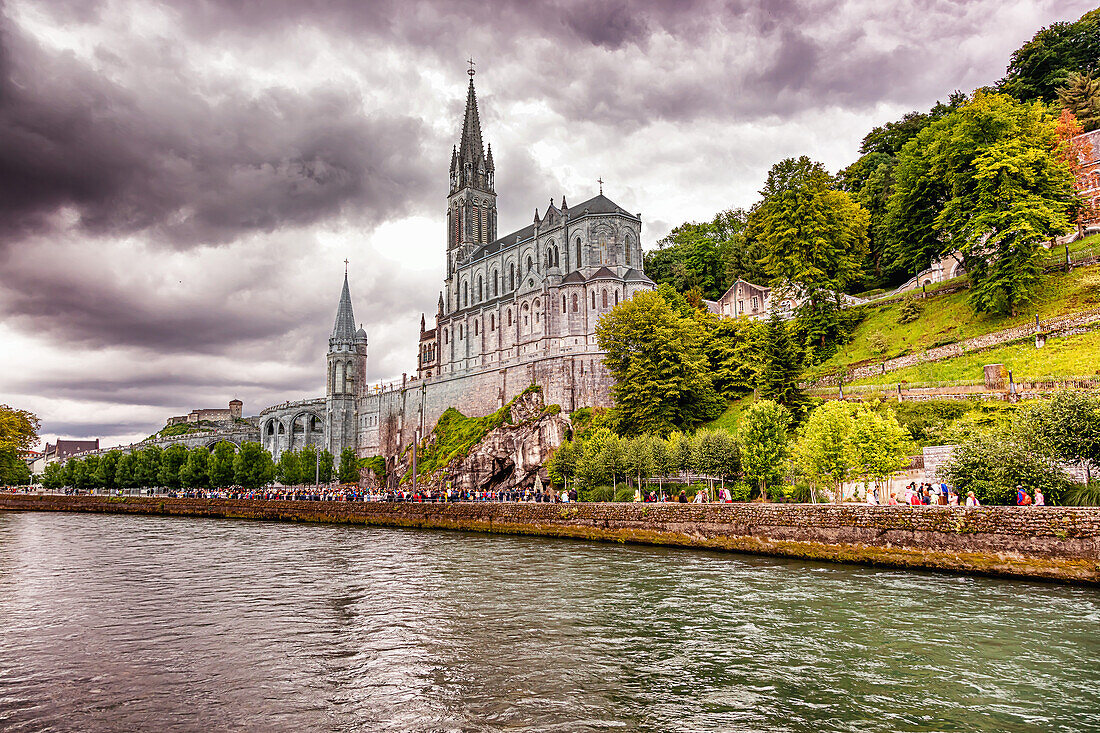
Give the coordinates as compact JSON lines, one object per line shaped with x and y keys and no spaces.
{"x":1042,"y":543}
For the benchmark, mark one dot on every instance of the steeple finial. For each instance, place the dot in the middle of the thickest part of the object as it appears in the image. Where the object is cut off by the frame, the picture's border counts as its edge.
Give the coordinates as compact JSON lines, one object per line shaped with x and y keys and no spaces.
{"x":600,"y":181}
{"x":471,"y":71}
{"x":345,"y":268}
{"x":344,"y":328}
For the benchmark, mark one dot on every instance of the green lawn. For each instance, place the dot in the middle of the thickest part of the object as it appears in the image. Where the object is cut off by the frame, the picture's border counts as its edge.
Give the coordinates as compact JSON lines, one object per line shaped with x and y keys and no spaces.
{"x":1072,"y":356}
{"x":949,"y":318}
{"x":728,"y":419}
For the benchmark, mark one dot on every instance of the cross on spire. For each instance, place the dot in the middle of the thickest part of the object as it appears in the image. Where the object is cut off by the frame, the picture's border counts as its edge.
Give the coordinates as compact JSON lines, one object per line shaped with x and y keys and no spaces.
{"x":471,"y":72}
{"x":600,"y":181}
{"x":345,"y":267}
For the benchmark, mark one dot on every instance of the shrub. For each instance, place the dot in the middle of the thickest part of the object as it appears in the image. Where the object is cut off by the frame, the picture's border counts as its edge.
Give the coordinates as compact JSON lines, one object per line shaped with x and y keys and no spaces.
{"x":992,"y":466}
{"x":1083,"y":495}
{"x":877,"y":343}
{"x":910,"y":310}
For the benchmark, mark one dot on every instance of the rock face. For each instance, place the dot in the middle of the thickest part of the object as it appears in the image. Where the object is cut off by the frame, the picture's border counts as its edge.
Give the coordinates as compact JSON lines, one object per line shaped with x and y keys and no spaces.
{"x":510,"y":456}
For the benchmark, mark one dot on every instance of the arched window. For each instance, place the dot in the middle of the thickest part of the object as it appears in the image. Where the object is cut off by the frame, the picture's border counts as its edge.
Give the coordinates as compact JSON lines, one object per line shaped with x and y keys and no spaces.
{"x":445,"y":339}
{"x":477,"y":223}
{"x":593,"y":298}
{"x":557,"y":262}
{"x":465,"y":294}
{"x":529,"y":264}
{"x":563,"y":307}
{"x":476,"y":331}
{"x":549,"y":257}
{"x":480,"y":289}
{"x":509,"y":316}
{"x":577,"y":246}
{"x":512,"y":276}
{"x":605,"y":297}
{"x":349,"y":378}
{"x":460,"y":330}
{"x":628,"y":250}
{"x":574,"y":302}
{"x":492,"y":322}
{"x":496,"y":283}
{"x":616,"y":296}
{"x":338,"y":385}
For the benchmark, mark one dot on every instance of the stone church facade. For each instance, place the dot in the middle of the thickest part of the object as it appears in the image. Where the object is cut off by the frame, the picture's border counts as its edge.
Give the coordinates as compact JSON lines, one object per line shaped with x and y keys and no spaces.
{"x":515,"y":310}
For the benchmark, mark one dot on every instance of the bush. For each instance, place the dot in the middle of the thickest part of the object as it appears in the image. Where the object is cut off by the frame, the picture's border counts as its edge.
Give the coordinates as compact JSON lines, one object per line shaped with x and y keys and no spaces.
{"x":877,"y":343}
{"x":910,"y":310}
{"x":603,"y":492}
{"x":625,"y":493}
{"x":1082,"y":495}
{"x":992,"y":466}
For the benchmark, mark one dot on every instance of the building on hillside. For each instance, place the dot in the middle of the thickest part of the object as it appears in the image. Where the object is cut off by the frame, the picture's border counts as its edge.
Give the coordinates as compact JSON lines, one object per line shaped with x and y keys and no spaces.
{"x":1088,"y":182}
{"x":212,"y":414}
{"x":745,"y":299}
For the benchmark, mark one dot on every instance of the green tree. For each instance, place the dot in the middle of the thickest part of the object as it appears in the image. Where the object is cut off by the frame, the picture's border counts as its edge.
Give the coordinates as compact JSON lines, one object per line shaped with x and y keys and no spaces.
{"x":253,"y":467}
{"x":562,"y":466}
{"x":985,"y":180}
{"x":600,"y":462}
{"x":716,"y":454}
{"x":90,"y":479}
{"x":870,"y":180}
{"x":824,"y":449}
{"x":814,"y":238}
{"x":146,"y":468}
{"x":1065,"y":428}
{"x":1046,"y":62}
{"x":308,"y":464}
{"x":221,"y":468}
{"x":891,"y":137}
{"x":349,"y":466}
{"x":171,"y":461}
{"x":1081,"y":96}
{"x":288,"y":471}
{"x":660,"y":370}
{"x":53,"y":476}
{"x":194,"y":474}
{"x":707,"y":256}
{"x":731,"y":348}
{"x":993,"y":465}
{"x":18,"y":432}
{"x":763,"y":437}
{"x":107,"y":471}
{"x":124,"y":471}
{"x":882,"y":445}
{"x":327,"y":470}
{"x":781,"y":367}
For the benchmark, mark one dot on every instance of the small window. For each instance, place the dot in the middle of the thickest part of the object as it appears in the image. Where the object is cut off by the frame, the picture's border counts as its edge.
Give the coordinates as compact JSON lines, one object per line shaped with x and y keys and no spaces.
{"x":529,"y":264}
{"x":574,"y":302}
{"x":480,"y":289}
{"x":578,"y":248}
{"x":509,"y":316}
{"x":616,"y":296}
{"x":563,"y":304}
{"x":465,"y":294}
{"x":492,"y":322}
{"x":593,"y":299}
{"x":512,"y":276}
{"x":476,"y":331}
{"x":605,"y":298}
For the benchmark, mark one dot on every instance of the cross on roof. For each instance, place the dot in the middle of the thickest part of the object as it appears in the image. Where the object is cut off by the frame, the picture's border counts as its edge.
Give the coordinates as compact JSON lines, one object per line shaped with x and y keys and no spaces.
{"x":345,"y":267}
{"x":600,"y":181}
{"x":471,"y":63}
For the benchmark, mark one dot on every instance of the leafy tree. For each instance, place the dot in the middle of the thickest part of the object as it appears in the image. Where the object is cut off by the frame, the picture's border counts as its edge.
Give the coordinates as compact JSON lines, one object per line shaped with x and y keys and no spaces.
{"x":171,"y":462}
{"x":600,"y":461}
{"x":146,"y":468}
{"x":107,"y":471}
{"x":253,"y":467}
{"x":825,"y":449}
{"x":349,"y":466}
{"x":763,"y":437}
{"x":53,"y":476}
{"x":562,"y":466}
{"x":984,"y":180}
{"x":90,"y":478}
{"x":993,"y":465}
{"x":731,"y":348}
{"x":74,"y":473}
{"x":326,"y":470}
{"x":660,"y":371}
{"x":1081,"y":98}
{"x":194,"y":474}
{"x":716,"y":454}
{"x":14,"y":472}
{"x":882,"y":445}
{"x":1051,"y":57}
{"x":288,"y":471}
{"x":781,"y":366}
{"x":814,"y":238}
{"x":664,"y":462}
{"x":705,"y":256}
{"x":1065,"y":428}
{"x":221,"y":467}
{"x":18,"y":432}
{"x":124,"y":471}
{"x":308,"y":461}
{"x":891,"y":137}
{"x":682,"y":451}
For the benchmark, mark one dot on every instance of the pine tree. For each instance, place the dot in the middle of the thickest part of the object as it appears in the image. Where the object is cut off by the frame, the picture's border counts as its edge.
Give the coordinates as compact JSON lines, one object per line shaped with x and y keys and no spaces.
{"x":1081,"y":96}
{"x":781,"y":367}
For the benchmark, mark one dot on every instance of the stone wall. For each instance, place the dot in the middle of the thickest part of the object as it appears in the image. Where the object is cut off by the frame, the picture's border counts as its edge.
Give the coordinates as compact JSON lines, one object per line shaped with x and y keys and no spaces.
{"x":1052,"y":543}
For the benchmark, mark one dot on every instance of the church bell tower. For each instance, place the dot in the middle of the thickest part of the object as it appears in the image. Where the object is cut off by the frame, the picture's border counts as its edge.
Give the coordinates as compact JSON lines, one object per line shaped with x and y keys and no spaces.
{"x":472,"y":201}
{"x":346,"y":377}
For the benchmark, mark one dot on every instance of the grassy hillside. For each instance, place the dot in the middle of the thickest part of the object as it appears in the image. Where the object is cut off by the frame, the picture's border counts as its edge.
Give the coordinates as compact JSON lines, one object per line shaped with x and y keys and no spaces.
{"x":949,"y":318}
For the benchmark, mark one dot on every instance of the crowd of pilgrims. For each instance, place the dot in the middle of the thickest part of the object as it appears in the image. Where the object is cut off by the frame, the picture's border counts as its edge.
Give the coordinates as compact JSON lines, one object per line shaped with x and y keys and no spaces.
{"x":344,"y":493}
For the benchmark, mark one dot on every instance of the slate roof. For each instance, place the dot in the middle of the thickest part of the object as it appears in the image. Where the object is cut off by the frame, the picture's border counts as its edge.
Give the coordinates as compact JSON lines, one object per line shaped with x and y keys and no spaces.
{"x":573,"y":277}
{"x":603,"y":272}
{"x":344,"y":328}
{"x":598,"y":204}
{"x":633,"y":275}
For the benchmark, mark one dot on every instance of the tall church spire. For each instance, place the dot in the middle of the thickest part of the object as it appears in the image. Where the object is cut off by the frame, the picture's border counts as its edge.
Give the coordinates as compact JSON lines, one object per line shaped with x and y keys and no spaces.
{"x":471,"y":150}
{"x":344,"y":328}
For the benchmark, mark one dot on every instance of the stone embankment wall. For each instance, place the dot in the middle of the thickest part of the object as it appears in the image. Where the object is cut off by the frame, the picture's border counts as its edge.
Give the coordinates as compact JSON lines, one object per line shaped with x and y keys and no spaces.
{"x":1051,"y":543}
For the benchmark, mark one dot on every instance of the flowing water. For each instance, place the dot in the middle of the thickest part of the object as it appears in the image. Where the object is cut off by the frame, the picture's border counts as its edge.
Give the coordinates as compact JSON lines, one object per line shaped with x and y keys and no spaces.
{"x":125,"y":623}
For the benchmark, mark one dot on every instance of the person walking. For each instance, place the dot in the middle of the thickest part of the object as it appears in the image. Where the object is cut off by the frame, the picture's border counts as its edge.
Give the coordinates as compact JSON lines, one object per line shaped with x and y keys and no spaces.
{"x":1040,"y":500}
{"x":953,"y":498}
{"x":1022,"y":498}
{"x":971,"y":500}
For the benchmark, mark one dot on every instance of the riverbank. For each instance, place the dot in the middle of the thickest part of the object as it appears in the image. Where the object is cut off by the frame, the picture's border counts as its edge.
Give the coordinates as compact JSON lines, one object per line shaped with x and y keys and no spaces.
{"x":1045,"y":543}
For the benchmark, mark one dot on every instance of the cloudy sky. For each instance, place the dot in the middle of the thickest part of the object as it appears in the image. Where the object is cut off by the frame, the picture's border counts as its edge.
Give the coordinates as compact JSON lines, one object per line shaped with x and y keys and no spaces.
{"x":180,"y":182}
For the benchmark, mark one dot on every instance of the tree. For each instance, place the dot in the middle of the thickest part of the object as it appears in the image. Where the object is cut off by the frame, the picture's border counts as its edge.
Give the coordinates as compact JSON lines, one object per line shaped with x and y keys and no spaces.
{"x":146,"y":468}
{"x":660,"y":371}
{"x":730,"y":346}
{"x":1046,"y":62}
{"x":781,"y":367}
{"x":53,"y":476}
{"x":993,"y":465}
{"x":124,"y":471}
{"x":599,"y":462}
{"x":171,"y":462}
{"x":221,"y":468}
{"x":891,"y":137}
{"x":326,"y":469}
{"x":1081,"y":98}
{"x":763,"y":437}
{"x":707,"y":256}
{"x":1066,"y":428}
{"x":562,"y":465}
{"x":716,"y":454}
{"x":288,"y":471}
{"x":824,"y":448}
{"x":813,"y":237}
{"x":107,"y":471}
{"x":18,"y":432}
{"x":253,"y":467}
{"x":90,"y":477}
{"x":349,"y":466}
{"x":664,"y":463}
{"x":986,"y":181}
{"x":194,"y":474}
{"x":882,"y":445}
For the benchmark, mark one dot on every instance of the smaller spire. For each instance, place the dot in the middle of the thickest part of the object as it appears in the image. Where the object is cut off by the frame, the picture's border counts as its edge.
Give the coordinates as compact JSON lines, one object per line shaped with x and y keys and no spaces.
{"x":454,"y":158}
{"x":422,"y":324}
{"x":439,"y":307}
{"x":489,"y":157}
{"x":536,"y":215}
{"x":344,"y":327}
{"x":564,"y":206}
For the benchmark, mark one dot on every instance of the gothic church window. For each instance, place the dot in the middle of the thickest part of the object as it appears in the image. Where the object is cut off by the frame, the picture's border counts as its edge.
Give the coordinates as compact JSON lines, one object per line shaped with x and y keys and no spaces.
{"x":605,"y":298}
{"x":578,"y":247}
{"x":480,"y":289}
{"x":475,"y":328}
{"x":512,"y":276}
{"x":549,"y":257}
{"x":496,"y":283}
{"x":529,"y":265}
{"x":628,"y":245}
{"x":465,"y":294}
{"x":593,"y":298}
{"x":509,"y":316}
{"x":616,"y":296}
{"x":574,"y":302}
{"x":563,"y":308}
{"x":492,"y":322}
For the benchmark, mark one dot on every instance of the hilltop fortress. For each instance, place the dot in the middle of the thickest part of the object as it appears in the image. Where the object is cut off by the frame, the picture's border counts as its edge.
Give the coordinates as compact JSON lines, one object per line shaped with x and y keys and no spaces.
{"x":515,"y":310}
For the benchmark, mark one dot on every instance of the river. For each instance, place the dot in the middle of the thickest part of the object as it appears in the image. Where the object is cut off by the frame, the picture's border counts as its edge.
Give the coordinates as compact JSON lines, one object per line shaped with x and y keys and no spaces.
{"x":130,"y":623}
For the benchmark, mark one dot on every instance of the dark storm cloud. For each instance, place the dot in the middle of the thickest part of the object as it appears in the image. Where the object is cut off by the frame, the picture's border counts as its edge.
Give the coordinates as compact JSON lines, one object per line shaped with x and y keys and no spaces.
{"x":190,"y":162}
